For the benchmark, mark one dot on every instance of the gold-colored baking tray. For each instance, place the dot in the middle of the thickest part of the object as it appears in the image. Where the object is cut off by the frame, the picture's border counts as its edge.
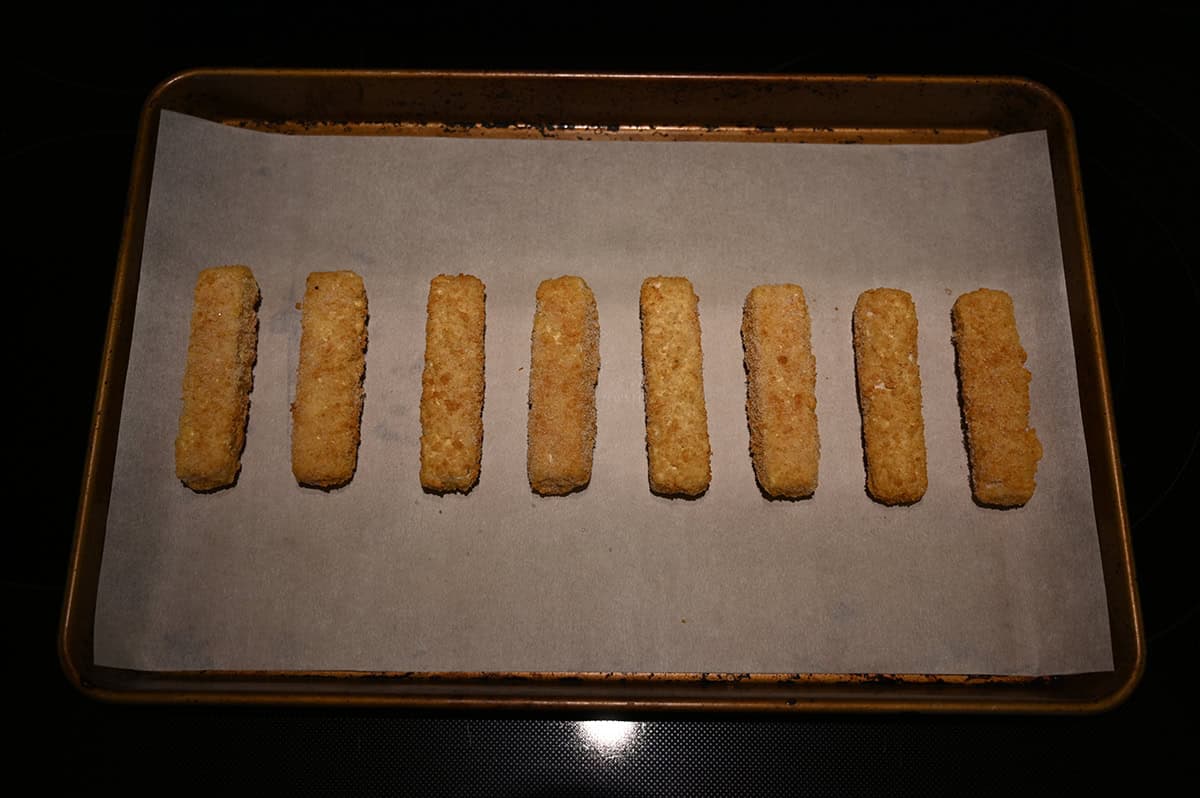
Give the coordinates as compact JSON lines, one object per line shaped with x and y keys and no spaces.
{"x":831,"y":109}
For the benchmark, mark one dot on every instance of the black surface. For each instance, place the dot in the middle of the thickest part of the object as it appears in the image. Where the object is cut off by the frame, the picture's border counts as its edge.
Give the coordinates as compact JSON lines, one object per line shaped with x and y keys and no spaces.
{"x":75,"y":88}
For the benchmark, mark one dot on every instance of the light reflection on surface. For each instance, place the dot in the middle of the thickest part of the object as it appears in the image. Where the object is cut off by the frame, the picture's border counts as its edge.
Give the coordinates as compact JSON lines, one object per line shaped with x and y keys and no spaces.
{"x":609,"y":737}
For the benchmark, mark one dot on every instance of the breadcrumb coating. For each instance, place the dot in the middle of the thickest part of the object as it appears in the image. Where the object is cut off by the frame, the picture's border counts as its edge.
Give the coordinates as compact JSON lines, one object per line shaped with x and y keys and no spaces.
{"x":327,"y":412}
{"x":781,"y":403}
{"x":677,"y":443}
{"x":994,"y":387}
{"x":452,"y":384}
{"x":217,"y":380}
{"x":564,"y":366}
{"x":889,"y":395}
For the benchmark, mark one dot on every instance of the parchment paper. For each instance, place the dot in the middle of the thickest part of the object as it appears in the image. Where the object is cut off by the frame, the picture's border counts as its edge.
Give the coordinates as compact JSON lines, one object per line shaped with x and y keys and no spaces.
{"x":381,"y":576}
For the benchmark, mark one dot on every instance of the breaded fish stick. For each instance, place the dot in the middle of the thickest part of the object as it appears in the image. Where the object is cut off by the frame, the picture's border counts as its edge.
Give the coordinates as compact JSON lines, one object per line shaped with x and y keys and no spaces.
{"x":994,"y":386}
{"x":889,"y":395}
{"x":564,"y":365}
{"x":452,"y":384}
{"x":329,"y":385}
{"x":218,"y":378}
{"x":677,"y":442}
{"x":781,"y":403}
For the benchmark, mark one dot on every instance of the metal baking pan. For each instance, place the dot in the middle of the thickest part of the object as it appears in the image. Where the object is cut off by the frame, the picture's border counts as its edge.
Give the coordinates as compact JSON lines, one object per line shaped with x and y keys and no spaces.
{"x":830,"y":109}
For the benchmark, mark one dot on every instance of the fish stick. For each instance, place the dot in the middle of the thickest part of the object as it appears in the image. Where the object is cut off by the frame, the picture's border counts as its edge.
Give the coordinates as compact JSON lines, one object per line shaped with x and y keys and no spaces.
{"x":327,"y":412}
{"x":677,"y":443}
{"x":889,"y":395}
{"x":218,"y":378}
{"x":564,"y":366}
{"x":452,"y":384}
{"x":1003,"y":451}
{"x":781,"y":403}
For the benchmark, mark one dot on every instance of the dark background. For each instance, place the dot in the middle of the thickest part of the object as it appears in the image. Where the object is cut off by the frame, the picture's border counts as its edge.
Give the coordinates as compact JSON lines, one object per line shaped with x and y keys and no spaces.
{"x":75,"y":85}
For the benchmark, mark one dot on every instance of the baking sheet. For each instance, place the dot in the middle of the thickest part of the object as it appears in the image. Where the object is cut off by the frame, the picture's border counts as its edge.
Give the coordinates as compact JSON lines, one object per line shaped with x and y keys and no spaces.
{"x":381,"y":576}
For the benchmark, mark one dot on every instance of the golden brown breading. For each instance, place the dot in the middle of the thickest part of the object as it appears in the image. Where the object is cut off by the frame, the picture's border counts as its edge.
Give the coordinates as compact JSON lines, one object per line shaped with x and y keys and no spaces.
{"x":564,"y":365}
{"x":889,"y":395}
{"x":327,"y":413}
{"x":218,"y":377}
{"x":677,"y":442}
{"x":781,"y":403}
{"x":452,"y":384}
{"x":994,"y":388}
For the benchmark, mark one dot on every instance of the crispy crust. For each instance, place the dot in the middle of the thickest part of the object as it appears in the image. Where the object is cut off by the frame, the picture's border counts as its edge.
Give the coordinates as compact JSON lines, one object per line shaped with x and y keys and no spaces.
{"x":889,"y":395}
{"x":452,"y":384}
{"x":564,"y":366}
{"x":994,"y":388}
{"x":781,"y":403}
{"x":217,"y":380}
{"x":329,"y":384}
{"x":677,"y":442}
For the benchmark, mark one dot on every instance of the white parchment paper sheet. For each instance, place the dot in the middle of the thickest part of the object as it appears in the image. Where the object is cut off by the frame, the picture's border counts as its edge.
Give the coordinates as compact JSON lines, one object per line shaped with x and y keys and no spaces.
{"x":381,"y":576}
